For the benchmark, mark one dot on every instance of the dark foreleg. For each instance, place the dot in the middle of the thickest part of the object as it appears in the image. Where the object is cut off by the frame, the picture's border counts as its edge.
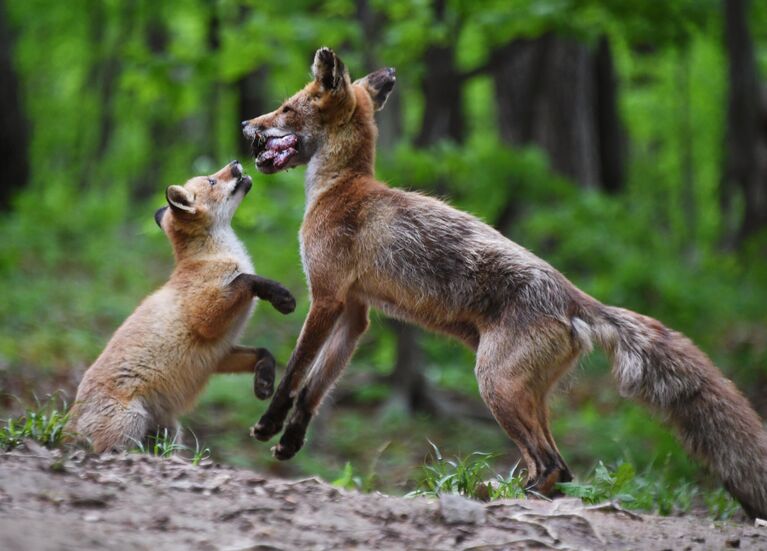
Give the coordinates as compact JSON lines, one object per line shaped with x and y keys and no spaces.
{"x":327,"y":368}
{"x":317,"y":327}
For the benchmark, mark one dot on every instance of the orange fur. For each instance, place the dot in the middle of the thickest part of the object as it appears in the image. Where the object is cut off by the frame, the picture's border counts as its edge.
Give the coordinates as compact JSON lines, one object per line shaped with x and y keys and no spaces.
{"x":365,"y":245}
{"x":160,"y":358}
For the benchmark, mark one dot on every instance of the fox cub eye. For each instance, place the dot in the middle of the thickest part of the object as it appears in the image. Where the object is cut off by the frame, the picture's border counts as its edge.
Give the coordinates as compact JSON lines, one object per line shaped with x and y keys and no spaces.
{"x":212,"y":181}
{"x":287,"y":109}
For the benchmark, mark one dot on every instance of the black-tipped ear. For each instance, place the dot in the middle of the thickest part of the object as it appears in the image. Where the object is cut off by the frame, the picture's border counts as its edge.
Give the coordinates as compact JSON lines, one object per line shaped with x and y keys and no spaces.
{"x":180,"y":200}
{"x":379,"y":85}
{"x":158,"y":216}
{"x":328,"y":69}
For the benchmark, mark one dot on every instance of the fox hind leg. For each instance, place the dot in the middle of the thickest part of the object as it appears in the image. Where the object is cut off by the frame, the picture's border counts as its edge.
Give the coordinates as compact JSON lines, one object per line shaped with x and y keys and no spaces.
{"x":515,"y":373}
{"x":114,"y":426}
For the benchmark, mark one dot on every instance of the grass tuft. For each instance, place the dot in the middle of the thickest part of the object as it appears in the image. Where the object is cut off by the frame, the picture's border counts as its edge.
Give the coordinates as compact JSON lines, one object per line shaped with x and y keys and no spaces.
{"x":655,"y":490}
{"x":164,"y":444}
{"x":470,"y":476}
{"x":364,"y":483}
{"x":43,"y":423}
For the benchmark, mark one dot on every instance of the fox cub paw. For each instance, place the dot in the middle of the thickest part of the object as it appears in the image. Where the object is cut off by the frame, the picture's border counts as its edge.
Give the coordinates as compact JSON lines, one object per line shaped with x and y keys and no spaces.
{"x":263,"y":380}
{"x":282,"y":300}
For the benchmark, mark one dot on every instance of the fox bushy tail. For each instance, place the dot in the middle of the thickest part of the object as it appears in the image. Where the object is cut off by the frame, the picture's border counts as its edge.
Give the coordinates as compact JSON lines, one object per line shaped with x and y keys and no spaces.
{"x":664,"y":369}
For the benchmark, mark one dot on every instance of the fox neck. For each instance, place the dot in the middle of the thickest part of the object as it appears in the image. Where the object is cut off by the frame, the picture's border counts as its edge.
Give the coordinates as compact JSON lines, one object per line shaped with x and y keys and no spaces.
{"x":350,"y":152}
{"x":220,"y":240}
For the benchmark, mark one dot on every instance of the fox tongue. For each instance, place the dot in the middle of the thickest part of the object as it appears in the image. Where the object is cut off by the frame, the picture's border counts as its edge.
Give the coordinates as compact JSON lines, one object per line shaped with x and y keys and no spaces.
{"x":275,"y":158}
{"x":284,"y":142}
{"x":277,"y":151}
{"x":282,"y":157}
{"x":266,"y":156}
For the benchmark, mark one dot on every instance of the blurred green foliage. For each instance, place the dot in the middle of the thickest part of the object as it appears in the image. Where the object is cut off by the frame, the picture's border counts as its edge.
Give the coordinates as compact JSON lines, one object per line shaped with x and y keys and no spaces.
{"x":124,"y":98}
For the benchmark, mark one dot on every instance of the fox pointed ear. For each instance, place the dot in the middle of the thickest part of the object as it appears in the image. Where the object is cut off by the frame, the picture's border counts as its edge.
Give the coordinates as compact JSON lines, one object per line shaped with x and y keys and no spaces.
{"x":379,"y":85}
{"x":180,"y":200}
{"x":328,"y":70}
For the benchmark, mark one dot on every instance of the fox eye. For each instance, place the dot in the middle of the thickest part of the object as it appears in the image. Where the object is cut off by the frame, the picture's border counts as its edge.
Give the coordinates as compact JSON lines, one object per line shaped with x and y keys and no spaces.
{"x":212,"y":181}
{"x":287,"y":109}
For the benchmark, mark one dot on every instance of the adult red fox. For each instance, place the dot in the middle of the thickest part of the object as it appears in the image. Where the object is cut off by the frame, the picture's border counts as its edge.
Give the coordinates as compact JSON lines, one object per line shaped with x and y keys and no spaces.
{"x":160,"y":358}
{"x":364,"y":244}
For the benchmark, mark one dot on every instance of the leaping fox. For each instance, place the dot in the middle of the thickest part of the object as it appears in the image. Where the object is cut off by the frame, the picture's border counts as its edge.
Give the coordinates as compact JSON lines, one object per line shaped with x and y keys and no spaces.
{"x":364,"y":244}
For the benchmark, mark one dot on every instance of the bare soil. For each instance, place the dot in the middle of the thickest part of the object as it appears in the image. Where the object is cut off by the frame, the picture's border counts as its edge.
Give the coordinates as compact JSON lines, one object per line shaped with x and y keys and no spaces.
{"x":50,"y":501}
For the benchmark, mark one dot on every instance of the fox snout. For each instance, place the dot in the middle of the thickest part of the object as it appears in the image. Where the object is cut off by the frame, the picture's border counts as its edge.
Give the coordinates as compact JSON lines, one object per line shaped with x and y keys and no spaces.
{"x":236,"y":169}
{"x":272,"y":148}
{"x":251,"y":130}
{"x":244,"y":183}
{"x":232,"y":171}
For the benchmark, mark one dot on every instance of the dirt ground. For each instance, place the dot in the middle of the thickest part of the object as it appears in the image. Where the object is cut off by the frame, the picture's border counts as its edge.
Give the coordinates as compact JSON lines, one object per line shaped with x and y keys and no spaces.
{"x":54,"y":502}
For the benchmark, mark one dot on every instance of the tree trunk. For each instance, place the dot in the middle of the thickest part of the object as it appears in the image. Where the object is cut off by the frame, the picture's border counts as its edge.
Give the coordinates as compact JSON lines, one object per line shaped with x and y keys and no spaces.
{"x":745,"y":172}
{"x":389,"y":120}
{"x":157,"y":38}
{"x":441,"y":87}
{"x":612,"y":137}
{"x":103,"y":77}
{"x":407,"y":379}
{"x":557,"y":93}
{"x":214,"y":92}
{"x":252,"y":100}
{"x":251,"y":92}
{"x":689,"y":206}
{"x":13,"y":126}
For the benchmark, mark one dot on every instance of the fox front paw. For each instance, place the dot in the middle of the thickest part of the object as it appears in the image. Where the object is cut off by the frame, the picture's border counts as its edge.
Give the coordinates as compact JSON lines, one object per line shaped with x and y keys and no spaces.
{"x":263,"y":380}
{"x":282,"y":300}
{"x":288,"y":447}
{"x":265,"y":429}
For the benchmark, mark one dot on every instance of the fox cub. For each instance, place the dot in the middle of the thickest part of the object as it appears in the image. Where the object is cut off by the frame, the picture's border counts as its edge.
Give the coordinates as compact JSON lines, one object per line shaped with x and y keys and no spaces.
{"x":159,"y":360}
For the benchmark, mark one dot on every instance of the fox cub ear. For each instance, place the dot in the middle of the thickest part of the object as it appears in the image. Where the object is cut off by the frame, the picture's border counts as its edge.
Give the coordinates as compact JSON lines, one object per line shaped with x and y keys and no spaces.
{"x":180,"y":200}
{"x":379,"y":85}
{"x":328,"y":70}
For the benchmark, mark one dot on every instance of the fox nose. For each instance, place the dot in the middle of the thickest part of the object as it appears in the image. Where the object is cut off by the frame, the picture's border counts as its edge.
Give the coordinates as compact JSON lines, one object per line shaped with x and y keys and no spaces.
{"x":250,"y":126}
{"x":235,"y":168}
{"x":249,"y":130}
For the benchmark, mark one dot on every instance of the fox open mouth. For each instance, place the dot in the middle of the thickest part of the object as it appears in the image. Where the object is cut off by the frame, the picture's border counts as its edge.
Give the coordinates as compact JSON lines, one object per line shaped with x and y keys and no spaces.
{"x":245,"y":182}
{"x":273,"y":153}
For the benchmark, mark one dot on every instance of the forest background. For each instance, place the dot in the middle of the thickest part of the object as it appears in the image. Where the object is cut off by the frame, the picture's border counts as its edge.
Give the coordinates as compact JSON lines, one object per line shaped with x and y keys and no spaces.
{"x":625,"y":142}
